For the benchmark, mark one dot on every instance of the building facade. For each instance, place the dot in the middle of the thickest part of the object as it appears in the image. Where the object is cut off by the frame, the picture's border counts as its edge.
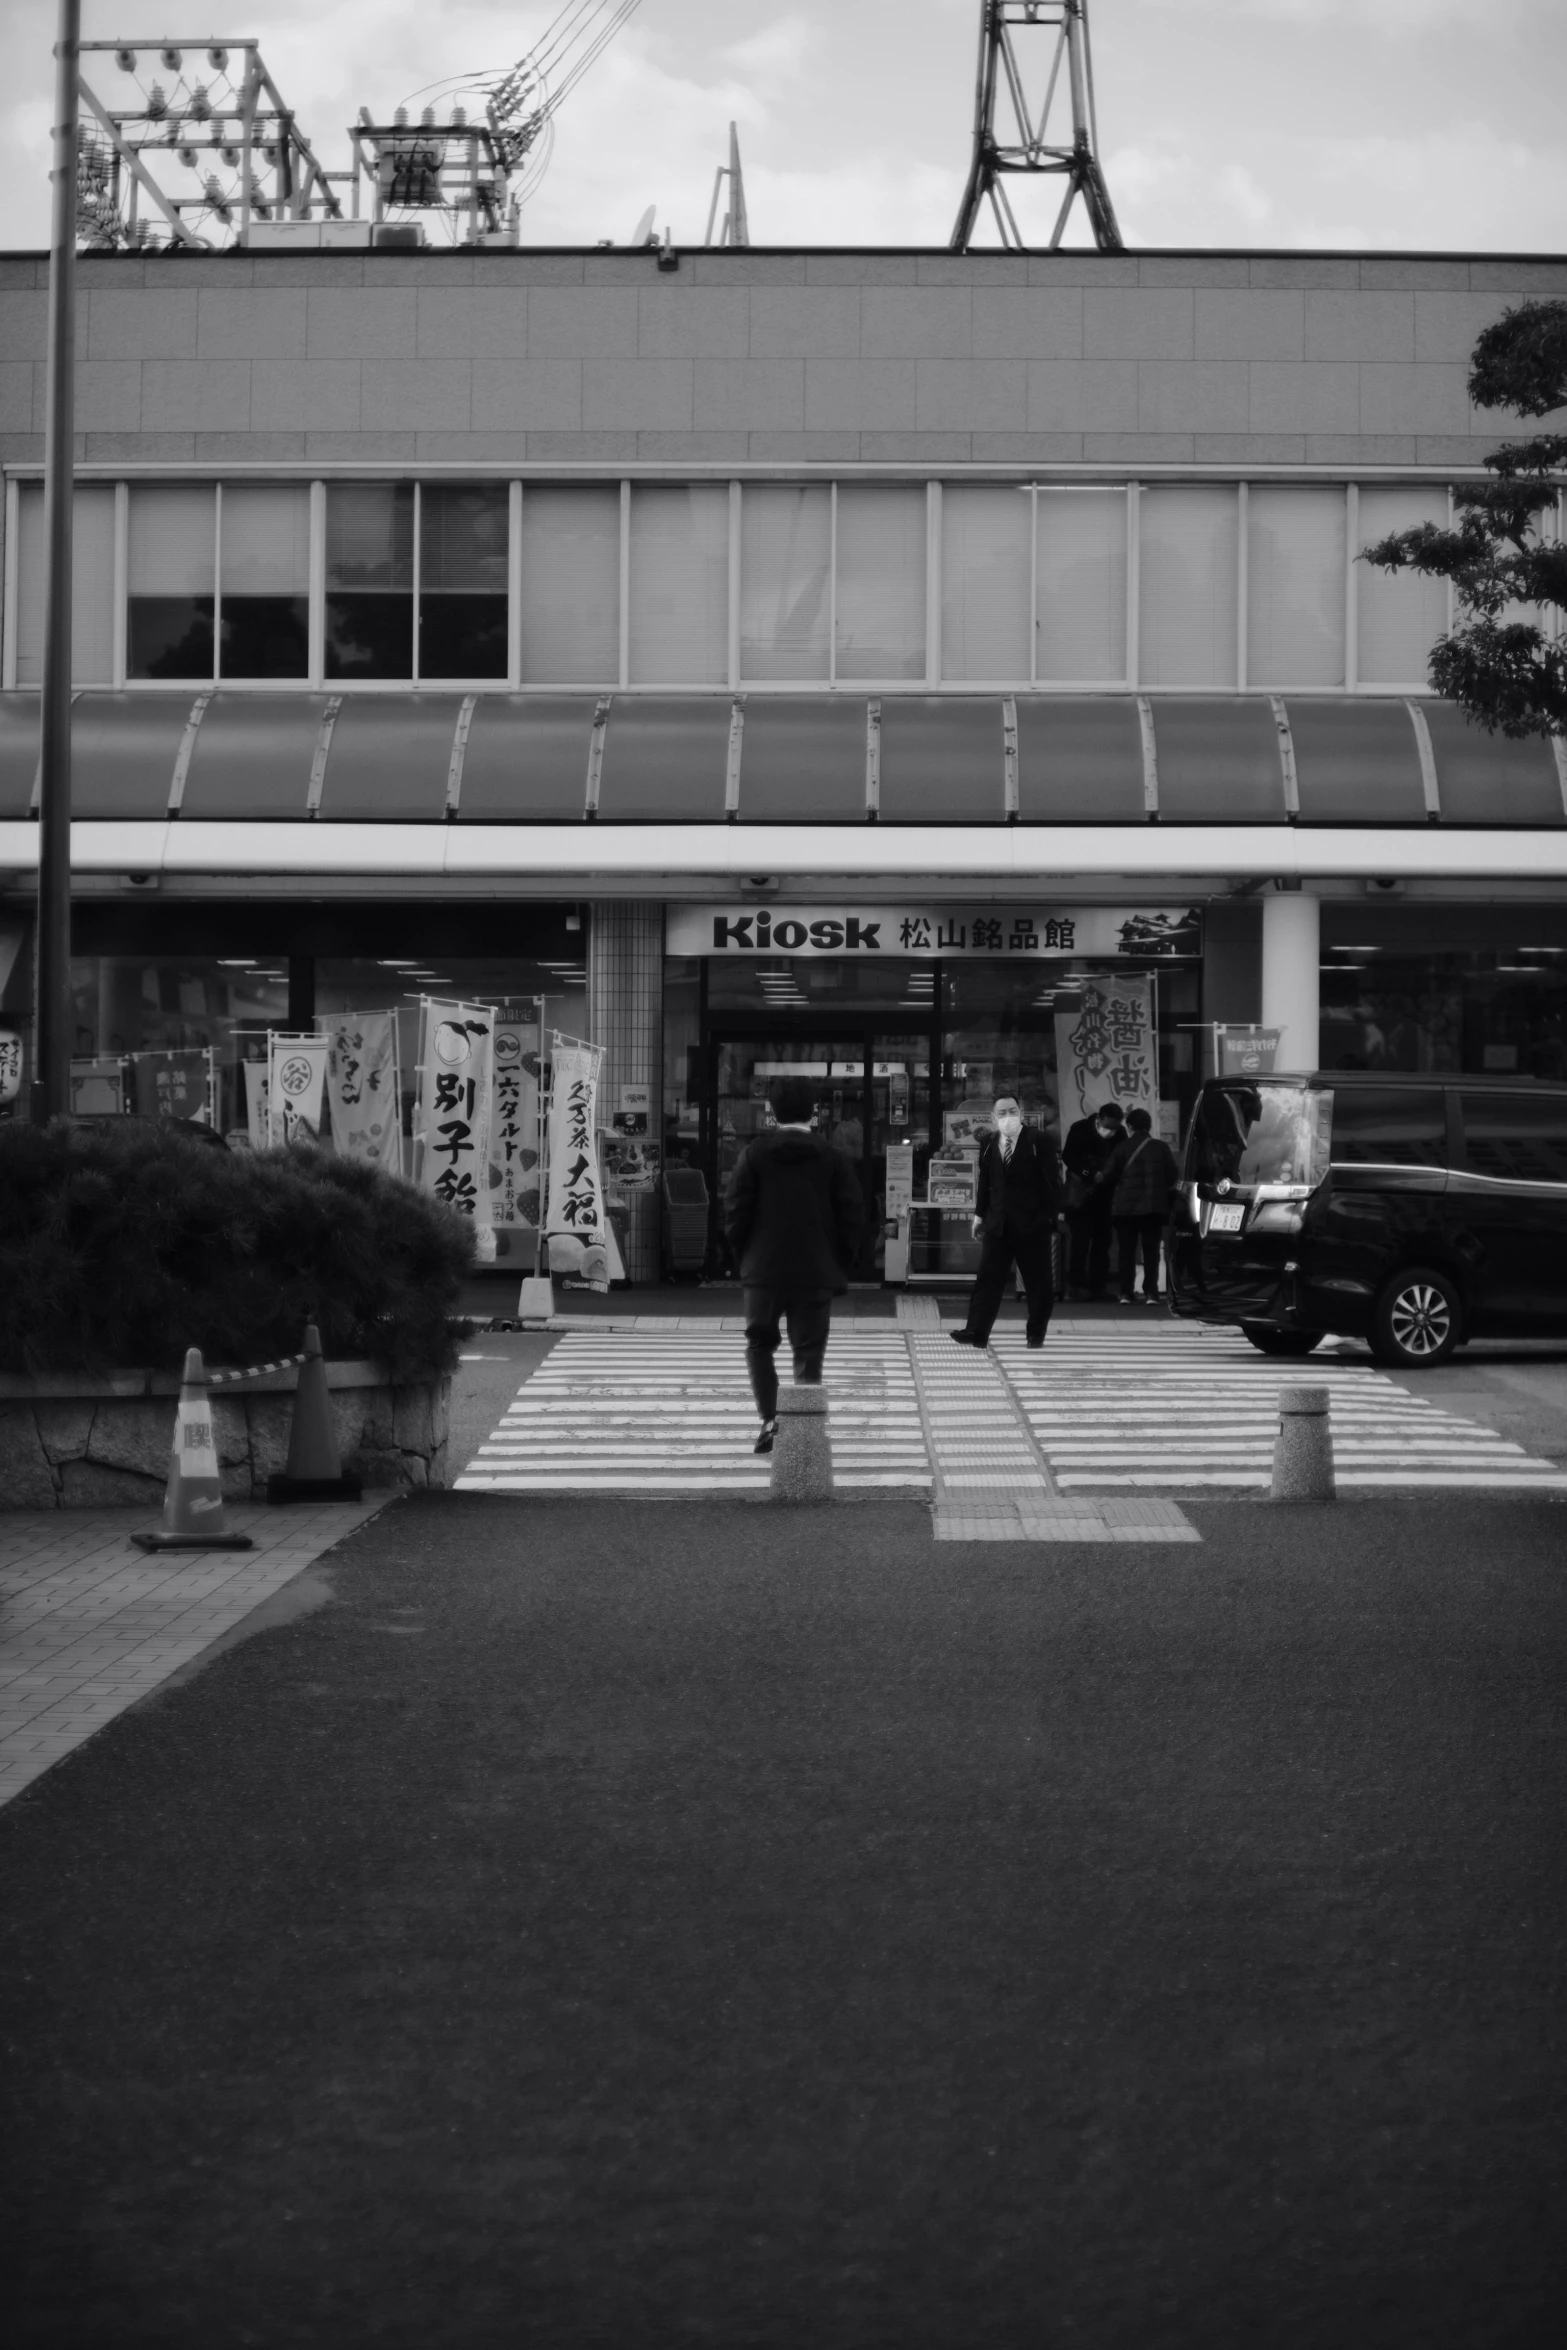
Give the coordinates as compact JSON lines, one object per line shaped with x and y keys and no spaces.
{"x":842,"y":660}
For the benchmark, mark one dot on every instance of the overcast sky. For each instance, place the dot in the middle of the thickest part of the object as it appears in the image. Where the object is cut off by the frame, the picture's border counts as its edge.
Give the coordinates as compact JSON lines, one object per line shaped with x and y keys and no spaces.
{"x":1428,"y":124}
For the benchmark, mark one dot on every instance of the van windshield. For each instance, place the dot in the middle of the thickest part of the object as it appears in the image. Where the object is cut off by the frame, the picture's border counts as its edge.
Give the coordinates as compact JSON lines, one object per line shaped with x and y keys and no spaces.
{"x":1258,"y":1134}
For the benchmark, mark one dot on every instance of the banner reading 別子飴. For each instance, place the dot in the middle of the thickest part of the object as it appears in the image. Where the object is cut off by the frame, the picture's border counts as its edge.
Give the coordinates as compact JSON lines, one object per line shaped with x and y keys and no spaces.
{"x":296,"y":1088}
{"x":454,"y":1104}
{"x":1107,"y":1049}
{"x":363,"y":1089}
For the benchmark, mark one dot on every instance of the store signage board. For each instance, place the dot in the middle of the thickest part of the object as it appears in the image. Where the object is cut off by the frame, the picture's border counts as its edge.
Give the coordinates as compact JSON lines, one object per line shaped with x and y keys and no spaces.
{"x":1030,"y":933}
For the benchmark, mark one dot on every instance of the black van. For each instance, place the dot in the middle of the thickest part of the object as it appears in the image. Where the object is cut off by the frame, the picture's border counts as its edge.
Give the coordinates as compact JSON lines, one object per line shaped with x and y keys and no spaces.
{"x":1415,"y":1212}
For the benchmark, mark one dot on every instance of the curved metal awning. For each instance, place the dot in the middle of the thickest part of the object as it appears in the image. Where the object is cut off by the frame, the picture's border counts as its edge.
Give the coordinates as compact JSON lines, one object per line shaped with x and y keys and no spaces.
{"x":638,"y":760}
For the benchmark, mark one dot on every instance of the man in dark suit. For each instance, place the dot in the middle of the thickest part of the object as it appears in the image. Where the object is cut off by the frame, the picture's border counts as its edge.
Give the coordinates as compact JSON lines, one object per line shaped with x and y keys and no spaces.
{"x":1018,"y":1204}
{"x":795,"y":1212}
{"x":1086,"y":1151}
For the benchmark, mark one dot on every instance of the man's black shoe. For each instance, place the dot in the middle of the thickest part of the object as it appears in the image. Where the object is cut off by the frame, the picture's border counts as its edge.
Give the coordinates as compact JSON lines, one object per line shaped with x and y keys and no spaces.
{"x":764,"y":1442}
{"x":965,"y":1338}
{"x":1034,"y":1341}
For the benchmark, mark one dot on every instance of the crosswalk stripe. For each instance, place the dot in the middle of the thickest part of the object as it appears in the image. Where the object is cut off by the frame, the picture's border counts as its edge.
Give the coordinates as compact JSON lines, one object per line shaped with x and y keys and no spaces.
{"x":1100,"y":1408}
{"x":1181,"y":1407}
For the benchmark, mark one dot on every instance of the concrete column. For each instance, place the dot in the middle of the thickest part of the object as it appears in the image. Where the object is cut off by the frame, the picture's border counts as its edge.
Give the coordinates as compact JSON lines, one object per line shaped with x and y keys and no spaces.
{"x":626,"y":1016}
{"x":1291,"y":986}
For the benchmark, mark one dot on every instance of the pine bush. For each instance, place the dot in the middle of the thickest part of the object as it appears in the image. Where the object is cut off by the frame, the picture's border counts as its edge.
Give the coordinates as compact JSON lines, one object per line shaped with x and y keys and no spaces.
{"x":121,"y":1249}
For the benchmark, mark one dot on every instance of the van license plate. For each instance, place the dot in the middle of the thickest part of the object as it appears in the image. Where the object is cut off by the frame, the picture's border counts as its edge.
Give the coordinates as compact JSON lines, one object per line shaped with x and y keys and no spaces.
{"x":1227,"y":1216}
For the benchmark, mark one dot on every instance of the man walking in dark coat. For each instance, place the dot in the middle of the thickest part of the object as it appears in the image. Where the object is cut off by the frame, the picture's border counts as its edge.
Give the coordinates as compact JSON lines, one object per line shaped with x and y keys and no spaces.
{"x":1086,"y":1152}
{"x":1018,"y":1205}
{"x":795,"y":1211}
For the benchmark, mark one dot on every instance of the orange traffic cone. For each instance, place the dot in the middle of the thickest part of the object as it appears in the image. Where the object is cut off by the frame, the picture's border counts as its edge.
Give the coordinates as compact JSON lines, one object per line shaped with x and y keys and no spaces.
{"x":314,"y":1472}
{"x":193,"y":1503}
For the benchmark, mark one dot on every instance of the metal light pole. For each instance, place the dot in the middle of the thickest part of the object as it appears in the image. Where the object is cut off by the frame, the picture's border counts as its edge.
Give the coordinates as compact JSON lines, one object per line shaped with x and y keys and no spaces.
{"x":51,"y":1092}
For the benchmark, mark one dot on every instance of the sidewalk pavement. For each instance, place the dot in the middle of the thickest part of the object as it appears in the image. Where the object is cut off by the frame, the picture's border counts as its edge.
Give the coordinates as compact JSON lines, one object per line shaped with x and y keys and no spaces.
{"x":599,"y":1926}
{"x":89,"y":1624}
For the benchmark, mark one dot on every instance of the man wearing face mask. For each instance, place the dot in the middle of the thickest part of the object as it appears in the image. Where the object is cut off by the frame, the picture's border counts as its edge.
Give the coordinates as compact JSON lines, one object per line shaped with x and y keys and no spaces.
{"x":1018,"y":1205}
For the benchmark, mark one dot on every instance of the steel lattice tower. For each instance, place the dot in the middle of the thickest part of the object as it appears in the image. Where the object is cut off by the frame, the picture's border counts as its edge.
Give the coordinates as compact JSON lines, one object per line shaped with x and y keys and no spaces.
{"x":1028,"y":150}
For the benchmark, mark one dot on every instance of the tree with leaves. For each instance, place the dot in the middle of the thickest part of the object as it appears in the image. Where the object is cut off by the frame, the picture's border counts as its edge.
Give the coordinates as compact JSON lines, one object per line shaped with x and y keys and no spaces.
{"x":1507,"y":671}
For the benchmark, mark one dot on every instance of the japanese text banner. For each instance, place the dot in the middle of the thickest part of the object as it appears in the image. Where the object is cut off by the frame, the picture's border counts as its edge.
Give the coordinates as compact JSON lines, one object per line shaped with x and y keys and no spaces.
{"x":456,"y":1083}
{"x":514,"y":1128}
{"x":1107,"y":1050}
{"x":576,"y":1192}
{"x":296,"y":1087}
{"x":362,"y":1088}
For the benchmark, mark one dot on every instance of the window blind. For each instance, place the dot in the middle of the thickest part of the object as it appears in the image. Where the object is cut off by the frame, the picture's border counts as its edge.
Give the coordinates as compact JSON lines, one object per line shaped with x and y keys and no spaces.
{"x":266,"y":540}
{"x":570,"y":586}
{"x":1082,"y":586}
{"x":785,"y":557}
{"x":173,"y":540}
{"x":881,"y":582}
{"x":92,"y":587}
{"x":1187,"y":608}
{"x":1401,"y":613}
{"x":1295,"y":587}
{"x":679,"y":588}
{"x":986,"y":532}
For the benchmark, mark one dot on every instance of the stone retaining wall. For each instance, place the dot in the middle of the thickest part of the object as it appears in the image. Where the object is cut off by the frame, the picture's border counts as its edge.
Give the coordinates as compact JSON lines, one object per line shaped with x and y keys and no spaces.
{"x":70,"y":1442}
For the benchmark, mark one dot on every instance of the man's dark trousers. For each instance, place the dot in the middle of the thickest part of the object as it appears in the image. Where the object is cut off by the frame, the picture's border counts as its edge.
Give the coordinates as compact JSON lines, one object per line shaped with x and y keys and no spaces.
{"x":997,"y":1253}
{"x":809,"y":1318}
{"x":1088,"y":1264}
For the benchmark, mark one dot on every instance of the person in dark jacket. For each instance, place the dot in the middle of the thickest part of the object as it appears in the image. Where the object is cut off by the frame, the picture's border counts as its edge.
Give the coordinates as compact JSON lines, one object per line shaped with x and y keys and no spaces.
{"x":795,"y":1210}
{"x":1140,"y":1177}
{"x":1086,"y":1152}
{"x":1017,"y":1208}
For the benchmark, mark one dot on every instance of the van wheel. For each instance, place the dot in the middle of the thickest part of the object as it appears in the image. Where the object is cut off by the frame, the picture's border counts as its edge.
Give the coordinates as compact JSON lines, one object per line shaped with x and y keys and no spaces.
{"x":1415,"y":1322}
{"x":1269,"y":1341}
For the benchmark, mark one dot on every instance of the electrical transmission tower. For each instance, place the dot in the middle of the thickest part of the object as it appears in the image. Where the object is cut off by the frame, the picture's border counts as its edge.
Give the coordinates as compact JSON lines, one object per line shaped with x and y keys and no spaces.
{"x":1017,"y":142}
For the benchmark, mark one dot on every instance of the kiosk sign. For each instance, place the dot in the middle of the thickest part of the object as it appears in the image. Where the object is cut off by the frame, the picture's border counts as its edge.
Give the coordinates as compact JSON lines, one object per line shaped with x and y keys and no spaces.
{"x":1036,"y":933}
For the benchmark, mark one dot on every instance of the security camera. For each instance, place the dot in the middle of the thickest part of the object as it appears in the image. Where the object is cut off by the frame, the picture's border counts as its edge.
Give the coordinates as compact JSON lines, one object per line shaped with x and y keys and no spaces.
{"x":760,"y":885}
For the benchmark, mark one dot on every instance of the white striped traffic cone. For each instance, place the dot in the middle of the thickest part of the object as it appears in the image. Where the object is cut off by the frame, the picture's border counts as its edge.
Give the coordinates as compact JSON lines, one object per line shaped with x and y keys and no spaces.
{"x":193,"y":1502}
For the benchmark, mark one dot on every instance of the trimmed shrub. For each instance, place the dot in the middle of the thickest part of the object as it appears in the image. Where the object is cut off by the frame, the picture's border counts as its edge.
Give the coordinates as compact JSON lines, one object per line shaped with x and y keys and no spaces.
{"x":120,"y":1250}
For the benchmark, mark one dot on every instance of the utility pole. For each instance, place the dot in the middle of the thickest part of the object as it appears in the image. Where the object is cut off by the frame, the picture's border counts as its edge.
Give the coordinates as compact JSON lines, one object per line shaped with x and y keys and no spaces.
{"x":1017,"y":143}
{"x":51,"y":1091}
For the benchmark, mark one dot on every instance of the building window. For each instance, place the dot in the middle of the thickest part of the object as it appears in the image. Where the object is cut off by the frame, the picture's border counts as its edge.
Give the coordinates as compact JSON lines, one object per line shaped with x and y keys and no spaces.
{"x":1081,"y":591}
{"x":264,"y":616}
{"x":570,"y":586}
{"x":1401,"y":613}
{"x":986,"y":550}
{"x":92,"y":586}
{"x":678,"y":629}
{"x":881,"y":582}
{"x":369,"y":580}
{"x":172,"y":563}
{"x":463,"y":538}
{"x":1295,"y":575}
{"x":1189,"y":586}
{"x":785,"y":583}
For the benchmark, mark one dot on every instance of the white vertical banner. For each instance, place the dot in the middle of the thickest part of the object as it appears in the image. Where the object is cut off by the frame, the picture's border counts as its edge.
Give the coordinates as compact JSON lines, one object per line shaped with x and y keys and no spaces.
{"x":1107,"y":1048}
{"x":514,"y":1128}
{"x":296,"y":1087}
{"x":453,"y":1105}
{"x":576,"y":1187}
{"x":364,"y":1090}
{"x":256,"y":1121}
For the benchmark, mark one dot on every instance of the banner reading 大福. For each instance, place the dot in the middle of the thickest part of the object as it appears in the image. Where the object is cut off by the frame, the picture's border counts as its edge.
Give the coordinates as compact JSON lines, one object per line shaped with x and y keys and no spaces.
{"x":1107,"y":1049}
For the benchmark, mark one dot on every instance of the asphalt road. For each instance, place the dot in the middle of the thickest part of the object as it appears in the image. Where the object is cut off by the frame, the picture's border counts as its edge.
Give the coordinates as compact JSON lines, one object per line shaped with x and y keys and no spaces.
{"x":639,"y":1924}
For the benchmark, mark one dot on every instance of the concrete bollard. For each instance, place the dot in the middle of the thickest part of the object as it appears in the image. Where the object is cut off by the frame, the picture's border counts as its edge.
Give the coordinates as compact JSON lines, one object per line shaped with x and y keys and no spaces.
{"x":1303,"y":1448}
{"x":802,"y":1449}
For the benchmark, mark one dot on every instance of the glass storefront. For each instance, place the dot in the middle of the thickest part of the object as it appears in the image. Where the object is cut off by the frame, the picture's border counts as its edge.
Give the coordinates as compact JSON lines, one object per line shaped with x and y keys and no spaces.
{"x":900,"y":1050}
{"x":1497,"y":1012}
